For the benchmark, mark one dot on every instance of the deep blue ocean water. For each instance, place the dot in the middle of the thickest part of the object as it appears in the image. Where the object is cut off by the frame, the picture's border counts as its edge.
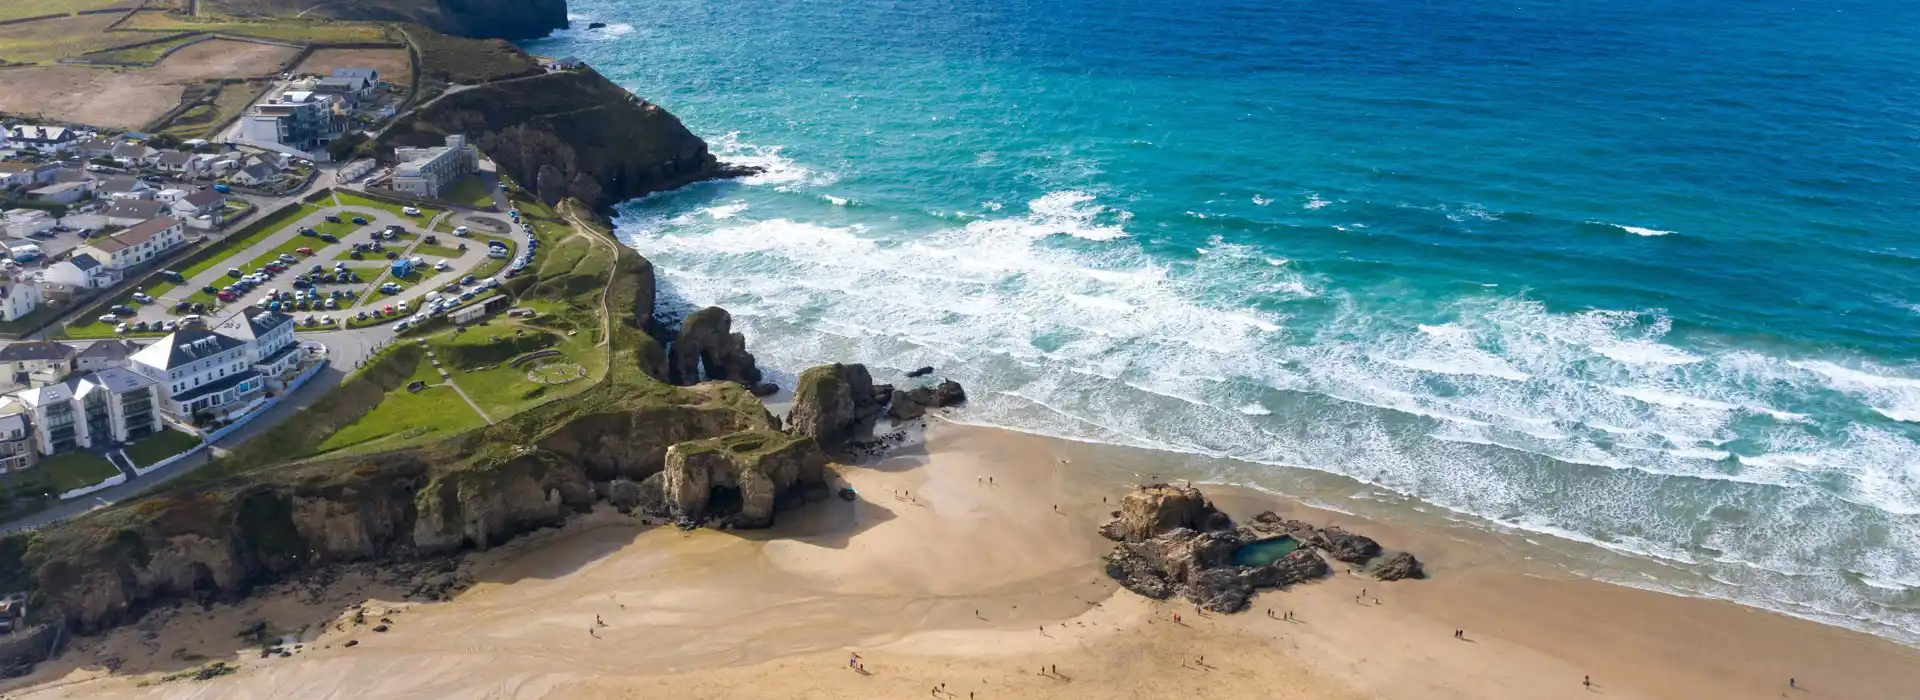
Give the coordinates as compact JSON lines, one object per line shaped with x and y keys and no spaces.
{"x":1638,"y":274}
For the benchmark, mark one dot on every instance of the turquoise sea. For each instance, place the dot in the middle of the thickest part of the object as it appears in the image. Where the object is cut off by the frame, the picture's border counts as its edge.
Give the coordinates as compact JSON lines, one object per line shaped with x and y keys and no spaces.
{"x":1639,"y":274}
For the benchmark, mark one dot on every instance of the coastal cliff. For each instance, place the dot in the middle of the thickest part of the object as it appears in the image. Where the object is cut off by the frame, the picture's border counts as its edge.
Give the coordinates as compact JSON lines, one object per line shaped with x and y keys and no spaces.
{"x":569,"y":134}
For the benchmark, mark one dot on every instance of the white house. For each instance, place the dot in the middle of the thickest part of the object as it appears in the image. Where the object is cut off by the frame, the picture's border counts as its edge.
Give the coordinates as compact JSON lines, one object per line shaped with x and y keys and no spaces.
{"x":200,"y":203}
{"x":35,"y":363}
{"x":76,"y":277}
{"x":177,"y":162}
{"x":132,"y":154}
{"x":18,"y":175}
{"x":269,"y":339}
{"x":123,"y":188}
{"x":138,"y":245}
{"x":19,"y":295}
{"x":256,"y":175}
{"x":105,"y":354}
{"x":51,"y":139}
{"x":200,"y":373}
{"x":106,"y":407}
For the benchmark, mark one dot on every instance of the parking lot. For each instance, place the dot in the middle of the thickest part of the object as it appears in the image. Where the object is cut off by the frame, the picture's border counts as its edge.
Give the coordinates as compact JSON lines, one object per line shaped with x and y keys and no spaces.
{"x":282,"y":266}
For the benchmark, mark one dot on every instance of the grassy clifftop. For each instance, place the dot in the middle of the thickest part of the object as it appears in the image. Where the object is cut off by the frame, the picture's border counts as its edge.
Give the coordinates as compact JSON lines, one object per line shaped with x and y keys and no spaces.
{"x":252,"y":517}
{"x":570,"y":134}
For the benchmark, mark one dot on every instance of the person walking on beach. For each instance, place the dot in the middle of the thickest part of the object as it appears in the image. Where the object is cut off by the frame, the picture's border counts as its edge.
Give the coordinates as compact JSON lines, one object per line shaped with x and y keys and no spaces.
{"x":1587,"y":681}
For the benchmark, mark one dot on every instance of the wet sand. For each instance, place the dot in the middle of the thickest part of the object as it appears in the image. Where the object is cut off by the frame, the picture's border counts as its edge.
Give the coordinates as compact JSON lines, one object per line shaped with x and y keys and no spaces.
{"x":937,"y":577}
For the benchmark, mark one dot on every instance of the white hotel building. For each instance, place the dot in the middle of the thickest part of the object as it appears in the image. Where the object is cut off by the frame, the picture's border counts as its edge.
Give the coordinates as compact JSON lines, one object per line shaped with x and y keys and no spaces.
{"x":222,"y":372}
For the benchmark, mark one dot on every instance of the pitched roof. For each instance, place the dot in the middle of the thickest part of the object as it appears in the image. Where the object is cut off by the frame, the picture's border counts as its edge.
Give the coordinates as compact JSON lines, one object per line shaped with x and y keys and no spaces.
{"x":114,"y":380}
{"x":135,"y":209}
{"x":144,"y":230}
{"x":85,"y":262}
{"x":112,"y":350}
{"x":122,"y":184}
{"x":175,"y":157}
{"x":35,"y":132}
{"x":203,"y":198}
{"x":261,"y":171}
{"x":131,"y":150}
{"x":35,"y":350}
{"x":367,"y":73}
{"x":184,"y":347}
{"x":252,"y":322}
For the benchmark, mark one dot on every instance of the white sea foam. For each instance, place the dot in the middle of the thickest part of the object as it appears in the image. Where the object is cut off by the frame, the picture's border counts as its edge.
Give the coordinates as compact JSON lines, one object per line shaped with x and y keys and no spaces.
{"x":776,"y":169}
{"x":836,"y":201}
{"x":1314,"y":202}
{"x":1261,"y":201}
{"x":1636,"y":230}
{"x":1068,"y":328}
{"x":726,"y":211}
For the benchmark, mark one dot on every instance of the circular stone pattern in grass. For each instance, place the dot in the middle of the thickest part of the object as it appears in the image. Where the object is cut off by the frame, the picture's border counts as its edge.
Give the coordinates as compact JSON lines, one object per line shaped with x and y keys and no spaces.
{"x":557,"y":373}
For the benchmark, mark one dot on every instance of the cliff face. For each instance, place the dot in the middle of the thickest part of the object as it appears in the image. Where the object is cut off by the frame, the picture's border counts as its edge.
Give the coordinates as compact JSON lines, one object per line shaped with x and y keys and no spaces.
{"x":568,"y":134}
{"x":105,"y":569}
{"x":491,"y":19}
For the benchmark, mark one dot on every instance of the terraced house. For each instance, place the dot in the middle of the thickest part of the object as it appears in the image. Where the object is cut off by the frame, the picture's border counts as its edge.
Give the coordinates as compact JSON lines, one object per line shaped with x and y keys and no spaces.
{"x":138,"y":245}
{"x":104,"y":408}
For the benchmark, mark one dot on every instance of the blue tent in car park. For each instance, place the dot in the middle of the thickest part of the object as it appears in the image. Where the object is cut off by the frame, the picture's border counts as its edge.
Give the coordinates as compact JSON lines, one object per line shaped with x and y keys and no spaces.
{"x":402,"y":267}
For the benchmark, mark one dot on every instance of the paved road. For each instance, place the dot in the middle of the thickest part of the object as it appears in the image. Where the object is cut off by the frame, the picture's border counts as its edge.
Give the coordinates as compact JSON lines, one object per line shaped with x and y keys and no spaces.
{"x":345,"y":351}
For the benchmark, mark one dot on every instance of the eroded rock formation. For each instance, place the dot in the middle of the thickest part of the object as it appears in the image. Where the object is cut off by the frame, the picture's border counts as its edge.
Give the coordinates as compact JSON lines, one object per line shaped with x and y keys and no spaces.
{"x":707,"y":348}
{"x":833,"y":404}
{"x":1174,"y":542}
{"x":753,"y":471}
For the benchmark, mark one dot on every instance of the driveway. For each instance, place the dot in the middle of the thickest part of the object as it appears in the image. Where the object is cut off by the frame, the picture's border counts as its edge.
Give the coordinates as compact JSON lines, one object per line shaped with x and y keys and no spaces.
{"x":345,"y":351}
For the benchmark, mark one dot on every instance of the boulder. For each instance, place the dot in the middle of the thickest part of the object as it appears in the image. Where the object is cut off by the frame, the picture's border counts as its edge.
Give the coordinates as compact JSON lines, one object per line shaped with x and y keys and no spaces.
{"x":1345,"y":546}
{"x":923,"y":371}
{"x":1151,"y":510}
{"x":643,"y":496}
{"x":833,"y":403}
{"x":752,"y":471}
{"x":1399,"y":566}
{"x":949,"y":393}
{"x":707,"y":348}
{"x":902,"y":406}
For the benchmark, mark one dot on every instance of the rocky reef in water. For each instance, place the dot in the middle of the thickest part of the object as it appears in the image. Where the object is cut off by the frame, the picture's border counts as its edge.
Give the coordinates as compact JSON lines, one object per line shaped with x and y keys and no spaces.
{"x":1173,"y":541}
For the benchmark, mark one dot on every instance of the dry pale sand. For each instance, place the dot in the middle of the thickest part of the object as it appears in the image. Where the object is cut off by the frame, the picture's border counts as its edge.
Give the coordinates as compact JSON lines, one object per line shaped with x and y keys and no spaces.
{"x":936,"y":577}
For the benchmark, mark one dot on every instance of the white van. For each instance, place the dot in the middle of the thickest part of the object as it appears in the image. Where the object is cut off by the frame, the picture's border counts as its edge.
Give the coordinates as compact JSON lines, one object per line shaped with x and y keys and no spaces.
{"x":410,"y":211}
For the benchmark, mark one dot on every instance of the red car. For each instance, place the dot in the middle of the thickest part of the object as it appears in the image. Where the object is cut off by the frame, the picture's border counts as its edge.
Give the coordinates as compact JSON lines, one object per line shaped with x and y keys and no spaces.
{"x":303,"y":251}
{"x":225,"y":296}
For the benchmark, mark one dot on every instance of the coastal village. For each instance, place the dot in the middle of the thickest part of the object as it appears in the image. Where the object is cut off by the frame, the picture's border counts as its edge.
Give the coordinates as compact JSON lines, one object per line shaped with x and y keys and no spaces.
{"x":324,"y":373}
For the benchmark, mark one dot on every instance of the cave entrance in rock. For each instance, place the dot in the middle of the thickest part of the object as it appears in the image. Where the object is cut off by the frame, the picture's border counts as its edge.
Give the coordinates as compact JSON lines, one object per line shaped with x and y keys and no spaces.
{"x":724,"y":501}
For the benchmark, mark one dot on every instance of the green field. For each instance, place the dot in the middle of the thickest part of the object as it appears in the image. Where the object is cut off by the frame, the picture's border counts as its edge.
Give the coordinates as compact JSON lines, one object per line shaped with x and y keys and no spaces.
{"x":472,"y":190}
{"x":301,"y":32}
{"x":353,"y":200}
{"x":142,"y":54}
{"x":436,"y":251}
{"x":406,"y":418}
{"x":67,"y":471}
{"x":159,"y":446}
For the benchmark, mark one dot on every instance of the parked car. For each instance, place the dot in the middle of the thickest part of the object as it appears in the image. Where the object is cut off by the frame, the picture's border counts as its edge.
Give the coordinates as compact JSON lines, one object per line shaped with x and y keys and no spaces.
{"x":360,"y":221}
{"x":330,"y":238}
{"x":234,"y":272}
{"x":122,"y":310}
{"x":181,"y":306}
{"x":308,"y":232}
{"x":333,"y":219}
{"x":142,"y":298}
{"x":461,"y":231}
{"x":430,"y":240}
{"x":410,"y":211}
{"x":172,"y":276}
{"x":122,"y":329}
{"x":391,"y":255}
{"x":108,"y":318}
{"x":210,"y":289}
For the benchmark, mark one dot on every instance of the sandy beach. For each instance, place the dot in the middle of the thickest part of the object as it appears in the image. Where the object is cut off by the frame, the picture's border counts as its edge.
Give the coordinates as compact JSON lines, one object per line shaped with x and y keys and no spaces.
{"x":970,"y":568}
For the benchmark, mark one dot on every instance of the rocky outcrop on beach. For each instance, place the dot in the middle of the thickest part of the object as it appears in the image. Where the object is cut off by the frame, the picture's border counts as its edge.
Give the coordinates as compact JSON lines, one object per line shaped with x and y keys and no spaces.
{"x":707,"y":349}
{"x":833,"y":404}
{"x":1174,"y":542}
{"x":758,"y":470}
